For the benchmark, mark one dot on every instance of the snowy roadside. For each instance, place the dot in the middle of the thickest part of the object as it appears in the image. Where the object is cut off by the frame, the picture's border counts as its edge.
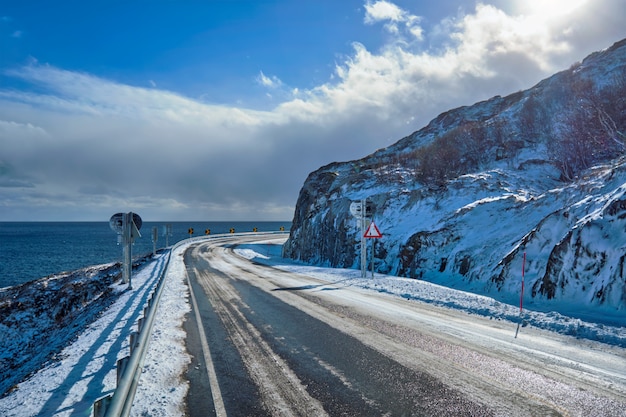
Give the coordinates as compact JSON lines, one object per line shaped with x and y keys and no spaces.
{"x":85,"y":370}
{"x":162,"y":388}
{"x":422,"y":291}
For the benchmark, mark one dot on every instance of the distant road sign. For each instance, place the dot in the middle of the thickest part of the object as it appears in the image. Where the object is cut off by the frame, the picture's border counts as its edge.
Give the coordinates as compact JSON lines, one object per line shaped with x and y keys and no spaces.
{"x":134,"y":228}
{"x":137,"y":220}
{"x":359,"y":209}
{"x":355,"y":209}
{"x":117,"y":223}
{"x":372,"y":231}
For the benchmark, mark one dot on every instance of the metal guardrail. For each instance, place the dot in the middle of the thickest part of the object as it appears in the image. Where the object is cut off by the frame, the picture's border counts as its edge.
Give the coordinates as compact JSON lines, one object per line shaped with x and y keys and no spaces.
{"x":129,"y":368}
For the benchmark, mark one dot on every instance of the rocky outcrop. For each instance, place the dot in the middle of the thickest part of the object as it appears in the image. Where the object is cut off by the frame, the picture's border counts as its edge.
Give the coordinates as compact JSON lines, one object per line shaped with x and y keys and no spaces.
{"x":460,"y":201}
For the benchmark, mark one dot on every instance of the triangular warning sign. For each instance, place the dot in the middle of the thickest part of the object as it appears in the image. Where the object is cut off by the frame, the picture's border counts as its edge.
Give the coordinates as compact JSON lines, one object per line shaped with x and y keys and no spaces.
{"x":372,"y":231}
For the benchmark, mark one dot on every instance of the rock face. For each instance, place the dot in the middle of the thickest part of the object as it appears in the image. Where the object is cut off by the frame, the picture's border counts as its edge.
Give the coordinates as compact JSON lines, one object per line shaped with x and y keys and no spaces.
{"x":539,"y":174}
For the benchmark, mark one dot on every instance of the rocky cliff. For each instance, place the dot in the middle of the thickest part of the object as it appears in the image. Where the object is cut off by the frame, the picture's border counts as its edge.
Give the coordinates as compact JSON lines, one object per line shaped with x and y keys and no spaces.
{"x":539,"y":174}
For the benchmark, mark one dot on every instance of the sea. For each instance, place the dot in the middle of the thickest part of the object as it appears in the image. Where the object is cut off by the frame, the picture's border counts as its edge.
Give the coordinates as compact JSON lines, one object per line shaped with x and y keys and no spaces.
{"x":33,"y":250}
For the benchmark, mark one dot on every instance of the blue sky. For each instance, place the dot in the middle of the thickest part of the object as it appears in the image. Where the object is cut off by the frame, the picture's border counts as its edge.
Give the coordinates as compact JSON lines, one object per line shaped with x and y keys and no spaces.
{"x":208,"y":50}
{"x":218,"y":110}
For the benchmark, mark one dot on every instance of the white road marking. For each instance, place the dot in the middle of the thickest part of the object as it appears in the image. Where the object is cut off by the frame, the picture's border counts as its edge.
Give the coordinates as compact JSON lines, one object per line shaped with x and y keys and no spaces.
{"x":220,"y":410}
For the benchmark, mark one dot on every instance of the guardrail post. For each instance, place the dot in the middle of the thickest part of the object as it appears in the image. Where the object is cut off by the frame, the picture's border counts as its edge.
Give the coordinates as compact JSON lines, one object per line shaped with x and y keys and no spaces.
{"x":134,"y":341}
{"x":101,"y":405}
{"x":121,"y":367}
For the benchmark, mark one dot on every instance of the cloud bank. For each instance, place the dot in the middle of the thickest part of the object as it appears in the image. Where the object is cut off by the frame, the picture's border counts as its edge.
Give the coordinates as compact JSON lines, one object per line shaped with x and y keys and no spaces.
{"x":77,"y":147}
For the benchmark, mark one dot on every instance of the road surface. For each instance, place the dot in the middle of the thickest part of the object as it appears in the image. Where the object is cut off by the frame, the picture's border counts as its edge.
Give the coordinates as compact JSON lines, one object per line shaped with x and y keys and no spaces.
{"x":267,"y":342}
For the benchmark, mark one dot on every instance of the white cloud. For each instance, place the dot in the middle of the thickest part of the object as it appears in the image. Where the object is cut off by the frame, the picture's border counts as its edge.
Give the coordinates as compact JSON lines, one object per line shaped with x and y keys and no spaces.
{"x":270,"y":82}
{"x":384,"y":11}
{"x":100,"y":144}
{"x":489,"y":33}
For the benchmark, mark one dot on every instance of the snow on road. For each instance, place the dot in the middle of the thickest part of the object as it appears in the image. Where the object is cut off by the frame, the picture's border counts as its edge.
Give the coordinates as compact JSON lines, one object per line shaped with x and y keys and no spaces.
{"x":579,"y":376}
{"x":419,"y":290}
{"x":85,"y":370}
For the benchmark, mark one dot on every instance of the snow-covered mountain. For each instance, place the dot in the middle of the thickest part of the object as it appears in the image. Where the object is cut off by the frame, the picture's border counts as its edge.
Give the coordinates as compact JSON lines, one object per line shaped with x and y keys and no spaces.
{"x":539,"y":174}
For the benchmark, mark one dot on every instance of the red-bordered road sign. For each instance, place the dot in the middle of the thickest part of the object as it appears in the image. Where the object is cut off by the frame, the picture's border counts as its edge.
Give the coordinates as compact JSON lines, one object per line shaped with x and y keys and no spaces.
{"x":372,"y":231}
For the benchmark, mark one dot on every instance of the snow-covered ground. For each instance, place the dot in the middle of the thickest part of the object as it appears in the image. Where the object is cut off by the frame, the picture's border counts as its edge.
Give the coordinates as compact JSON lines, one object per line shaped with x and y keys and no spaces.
{"x":85,"y":370}
{"x":423,"y":291}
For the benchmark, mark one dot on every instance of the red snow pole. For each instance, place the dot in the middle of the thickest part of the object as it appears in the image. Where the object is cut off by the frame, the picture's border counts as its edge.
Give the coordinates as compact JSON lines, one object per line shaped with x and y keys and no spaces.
{"x":521,"y":297}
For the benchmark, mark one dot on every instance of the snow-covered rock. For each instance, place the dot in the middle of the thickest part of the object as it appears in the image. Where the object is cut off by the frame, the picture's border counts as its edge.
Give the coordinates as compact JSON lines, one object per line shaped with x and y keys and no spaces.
{"x":537,"y":175}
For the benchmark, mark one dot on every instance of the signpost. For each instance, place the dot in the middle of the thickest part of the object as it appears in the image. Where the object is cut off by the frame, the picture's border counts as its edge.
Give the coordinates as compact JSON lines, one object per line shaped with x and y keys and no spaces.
{"x":363,"y":211}
{"x":127,"y":226}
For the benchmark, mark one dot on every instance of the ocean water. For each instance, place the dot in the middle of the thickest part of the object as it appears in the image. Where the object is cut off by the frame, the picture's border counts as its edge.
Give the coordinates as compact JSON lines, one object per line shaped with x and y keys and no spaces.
{"x":32,"y":250}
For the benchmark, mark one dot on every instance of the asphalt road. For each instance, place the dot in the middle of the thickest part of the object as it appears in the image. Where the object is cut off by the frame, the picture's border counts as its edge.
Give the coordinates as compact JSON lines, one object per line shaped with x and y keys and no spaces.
{"x":267,"y":342}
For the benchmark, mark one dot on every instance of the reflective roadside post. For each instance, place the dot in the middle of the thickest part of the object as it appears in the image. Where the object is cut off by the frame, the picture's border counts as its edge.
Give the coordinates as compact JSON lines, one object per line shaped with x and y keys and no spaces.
{"x":155,"y":237}
{"x":521,"y":296}
{"x":167,"y":232}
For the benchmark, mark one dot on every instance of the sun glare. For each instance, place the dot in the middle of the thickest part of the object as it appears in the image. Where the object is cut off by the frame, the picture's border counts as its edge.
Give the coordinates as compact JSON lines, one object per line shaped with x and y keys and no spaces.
{"x":550,"y":8}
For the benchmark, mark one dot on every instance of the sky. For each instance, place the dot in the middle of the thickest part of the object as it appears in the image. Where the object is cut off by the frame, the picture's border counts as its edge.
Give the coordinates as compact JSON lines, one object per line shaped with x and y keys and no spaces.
{"x":219,"y":109}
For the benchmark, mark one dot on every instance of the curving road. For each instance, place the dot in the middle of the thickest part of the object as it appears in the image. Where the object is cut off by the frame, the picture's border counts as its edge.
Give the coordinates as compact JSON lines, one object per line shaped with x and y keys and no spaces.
{"x":272,"y":343}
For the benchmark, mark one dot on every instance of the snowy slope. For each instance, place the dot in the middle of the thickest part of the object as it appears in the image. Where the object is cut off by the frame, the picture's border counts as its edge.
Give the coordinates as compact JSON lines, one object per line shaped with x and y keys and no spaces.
{"x":460,"y":201}
{"x":60,"y":370}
